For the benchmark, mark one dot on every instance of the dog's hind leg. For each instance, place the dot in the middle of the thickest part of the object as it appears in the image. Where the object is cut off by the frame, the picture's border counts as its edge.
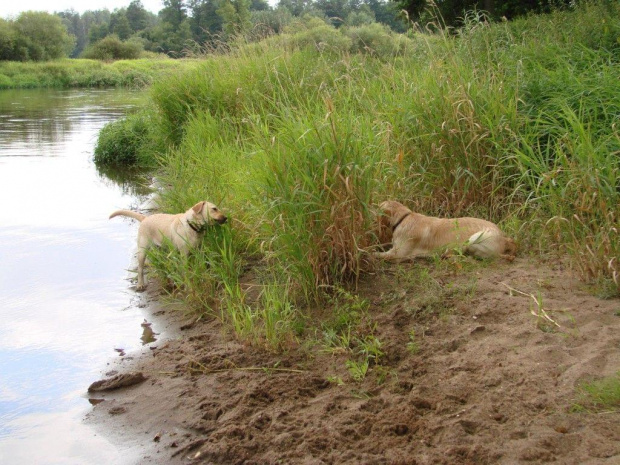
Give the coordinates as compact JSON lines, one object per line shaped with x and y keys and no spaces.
{"x":485,"y":244}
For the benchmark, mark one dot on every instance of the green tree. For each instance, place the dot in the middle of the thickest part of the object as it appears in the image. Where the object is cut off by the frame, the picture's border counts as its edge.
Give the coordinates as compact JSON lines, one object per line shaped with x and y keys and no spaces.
{"x":388,"y":13}
{"x":335,"y":10}
{"x":75,"y":26}
{"x":296,"y":7}
{"x":7,"y":40}
{"x":41,"y":36}
{"x":259,"y":5}
{"x":164,"y":38}
{"x":204,"y":21}
{"x":98,"y":32}
{"x":452,"y":11}
{"x":119,"y":24}
{"x":173,"y":32}
{"x":235,"y":16}
{"x":137,"y":16}
{"x":173,"y":13}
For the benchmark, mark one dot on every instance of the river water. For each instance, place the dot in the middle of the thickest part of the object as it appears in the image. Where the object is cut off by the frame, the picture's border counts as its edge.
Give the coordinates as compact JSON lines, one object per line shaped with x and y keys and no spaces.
{"x":65,"y":303}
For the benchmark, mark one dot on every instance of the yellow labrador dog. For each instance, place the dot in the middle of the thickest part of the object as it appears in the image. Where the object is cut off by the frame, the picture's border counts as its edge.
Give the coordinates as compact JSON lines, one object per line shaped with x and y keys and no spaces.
{"x":415,"y":235}
{"x":182,"y":229}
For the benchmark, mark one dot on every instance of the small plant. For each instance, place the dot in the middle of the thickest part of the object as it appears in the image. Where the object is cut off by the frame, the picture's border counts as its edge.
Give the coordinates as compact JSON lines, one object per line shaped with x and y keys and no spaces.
{"x":413,"y":345}
{"x":357,"y":370}
{"x":370,"y":348}
{"x":277,"y":315}
{"x":337,"y":380}
{"x":382,"y":374}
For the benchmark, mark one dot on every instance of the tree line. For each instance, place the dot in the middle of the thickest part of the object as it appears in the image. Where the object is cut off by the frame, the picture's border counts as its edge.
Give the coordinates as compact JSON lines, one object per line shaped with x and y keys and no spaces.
{"x":183,"y":26}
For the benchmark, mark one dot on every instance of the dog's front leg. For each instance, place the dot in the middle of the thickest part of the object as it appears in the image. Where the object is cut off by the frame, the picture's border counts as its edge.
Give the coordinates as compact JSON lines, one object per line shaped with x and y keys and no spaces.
{"x":141,"y":260}
{"x":393,"y":255}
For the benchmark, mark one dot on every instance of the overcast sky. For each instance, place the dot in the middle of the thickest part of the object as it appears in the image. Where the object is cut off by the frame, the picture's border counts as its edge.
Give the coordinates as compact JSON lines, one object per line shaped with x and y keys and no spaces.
{"x":14,"y":7}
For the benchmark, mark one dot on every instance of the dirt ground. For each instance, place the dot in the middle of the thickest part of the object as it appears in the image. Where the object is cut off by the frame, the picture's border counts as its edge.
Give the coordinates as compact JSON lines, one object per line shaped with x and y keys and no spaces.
{"x":483,"y":380}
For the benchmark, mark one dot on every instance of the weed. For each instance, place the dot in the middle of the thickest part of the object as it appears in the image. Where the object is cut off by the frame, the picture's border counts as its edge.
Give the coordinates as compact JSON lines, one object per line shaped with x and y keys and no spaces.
{"x":413,"y":346}
{"x":337,"y":380}
{"x":369,"y":347}
{"x":382,"y":373}
{"x":357,"y":370}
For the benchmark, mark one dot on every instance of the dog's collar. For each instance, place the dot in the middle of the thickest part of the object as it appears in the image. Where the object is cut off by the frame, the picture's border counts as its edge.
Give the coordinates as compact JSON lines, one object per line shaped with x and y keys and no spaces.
{"x":400,"y":221}
{"x":199,"y":228}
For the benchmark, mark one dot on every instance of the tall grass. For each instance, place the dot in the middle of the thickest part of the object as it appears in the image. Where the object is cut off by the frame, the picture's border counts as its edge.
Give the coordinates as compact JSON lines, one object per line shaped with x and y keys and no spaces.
{"x":300,"y":137}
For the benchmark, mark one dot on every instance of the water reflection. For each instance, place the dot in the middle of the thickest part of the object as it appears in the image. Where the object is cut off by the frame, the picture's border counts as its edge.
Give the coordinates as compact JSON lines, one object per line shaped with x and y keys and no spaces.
{"x":132,"y":182}
{"x":59,"y":112}
{"x":64,"y":298}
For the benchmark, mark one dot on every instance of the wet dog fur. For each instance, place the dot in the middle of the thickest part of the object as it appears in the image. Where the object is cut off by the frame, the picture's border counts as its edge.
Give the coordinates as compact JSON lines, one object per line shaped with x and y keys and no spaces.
{"x":416,"y":235}
{"x":183,"y":230}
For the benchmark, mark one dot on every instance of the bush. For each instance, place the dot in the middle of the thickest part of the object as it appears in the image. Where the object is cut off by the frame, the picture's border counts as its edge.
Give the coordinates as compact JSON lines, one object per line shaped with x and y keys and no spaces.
{"x":112,"y":48}
{"x":376,"y":39}
{"x":123,"y":142}
{"x":272,"y":20}
{"x":5,"y":82}
{"x":319,"y":35}
{"x":40,"y":36}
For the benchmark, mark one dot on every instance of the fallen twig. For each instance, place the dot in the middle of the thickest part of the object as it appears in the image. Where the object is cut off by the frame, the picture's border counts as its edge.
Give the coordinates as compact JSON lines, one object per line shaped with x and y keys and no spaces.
{"x":541,"y":311}
{"x":203,"y":369}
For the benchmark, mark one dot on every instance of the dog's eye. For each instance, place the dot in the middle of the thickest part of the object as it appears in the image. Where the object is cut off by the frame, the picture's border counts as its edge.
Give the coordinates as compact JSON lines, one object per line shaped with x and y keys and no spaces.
{"x":214,"y":209}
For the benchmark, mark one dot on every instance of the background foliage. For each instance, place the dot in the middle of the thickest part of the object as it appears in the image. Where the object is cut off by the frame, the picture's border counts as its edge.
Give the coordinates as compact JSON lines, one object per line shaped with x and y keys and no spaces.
{"x":185,"y":27}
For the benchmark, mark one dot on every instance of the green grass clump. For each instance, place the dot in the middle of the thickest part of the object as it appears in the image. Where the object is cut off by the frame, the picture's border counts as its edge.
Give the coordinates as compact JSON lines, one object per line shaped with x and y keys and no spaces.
{"x":124,"y":143}
{"x":302,"y":134}
{"x":599,"y":395}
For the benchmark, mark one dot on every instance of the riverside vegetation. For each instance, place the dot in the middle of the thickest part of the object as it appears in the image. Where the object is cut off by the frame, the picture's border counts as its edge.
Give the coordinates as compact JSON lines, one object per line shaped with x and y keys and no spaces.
{"x":300,"y":135}
{"x":73,"y":73}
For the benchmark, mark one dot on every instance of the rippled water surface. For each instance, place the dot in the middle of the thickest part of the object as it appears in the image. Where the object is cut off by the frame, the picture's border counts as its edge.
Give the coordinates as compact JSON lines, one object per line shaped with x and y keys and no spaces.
{"x":65,"y":305}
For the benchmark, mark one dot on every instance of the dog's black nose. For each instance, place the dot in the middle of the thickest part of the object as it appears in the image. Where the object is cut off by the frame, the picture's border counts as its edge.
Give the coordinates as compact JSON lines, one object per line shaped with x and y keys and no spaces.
{"x":222,"y":220}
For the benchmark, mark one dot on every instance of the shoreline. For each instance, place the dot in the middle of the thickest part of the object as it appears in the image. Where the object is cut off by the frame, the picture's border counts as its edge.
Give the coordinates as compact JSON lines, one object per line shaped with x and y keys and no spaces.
{"x":485,"y":385}
{"x":107,"y":405}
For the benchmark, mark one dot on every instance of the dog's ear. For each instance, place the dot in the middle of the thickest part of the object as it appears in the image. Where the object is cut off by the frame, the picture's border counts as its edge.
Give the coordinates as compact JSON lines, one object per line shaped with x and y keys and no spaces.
{"x":198,"y":207}
{"x":385,"y":208}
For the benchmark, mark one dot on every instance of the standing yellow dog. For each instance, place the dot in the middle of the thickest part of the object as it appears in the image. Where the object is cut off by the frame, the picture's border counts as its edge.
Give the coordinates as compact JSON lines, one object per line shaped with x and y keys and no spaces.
{"x":182,"y":230}
{"x":416,"y":235}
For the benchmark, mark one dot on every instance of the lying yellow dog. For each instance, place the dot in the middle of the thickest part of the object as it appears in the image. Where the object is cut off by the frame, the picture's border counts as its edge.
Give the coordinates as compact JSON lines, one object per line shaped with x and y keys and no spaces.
{"x":416,"y":235}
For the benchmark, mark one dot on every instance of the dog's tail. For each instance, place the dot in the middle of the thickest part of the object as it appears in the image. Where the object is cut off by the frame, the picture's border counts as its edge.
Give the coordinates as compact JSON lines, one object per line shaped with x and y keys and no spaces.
{"x":128,"y":213}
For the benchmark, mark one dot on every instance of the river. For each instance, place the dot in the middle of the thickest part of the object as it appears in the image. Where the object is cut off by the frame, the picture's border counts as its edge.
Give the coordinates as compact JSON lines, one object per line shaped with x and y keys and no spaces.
{"x":66,"y":308}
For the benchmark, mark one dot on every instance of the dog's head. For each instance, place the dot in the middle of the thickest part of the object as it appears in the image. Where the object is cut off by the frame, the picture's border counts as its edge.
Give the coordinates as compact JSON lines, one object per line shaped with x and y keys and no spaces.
{"x":392,"y":212}
{"x":388,"y":214}
{"x":206,"y":213}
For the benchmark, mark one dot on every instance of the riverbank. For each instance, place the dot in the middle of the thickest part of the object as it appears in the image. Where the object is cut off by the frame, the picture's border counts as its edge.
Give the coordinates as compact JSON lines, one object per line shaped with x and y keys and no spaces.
{"x":468,"y":375}
{"x":76,"y":73}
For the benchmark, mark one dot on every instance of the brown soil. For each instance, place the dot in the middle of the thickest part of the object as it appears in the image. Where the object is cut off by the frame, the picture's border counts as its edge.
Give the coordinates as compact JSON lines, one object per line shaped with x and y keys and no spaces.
{"x":490,"y":382}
